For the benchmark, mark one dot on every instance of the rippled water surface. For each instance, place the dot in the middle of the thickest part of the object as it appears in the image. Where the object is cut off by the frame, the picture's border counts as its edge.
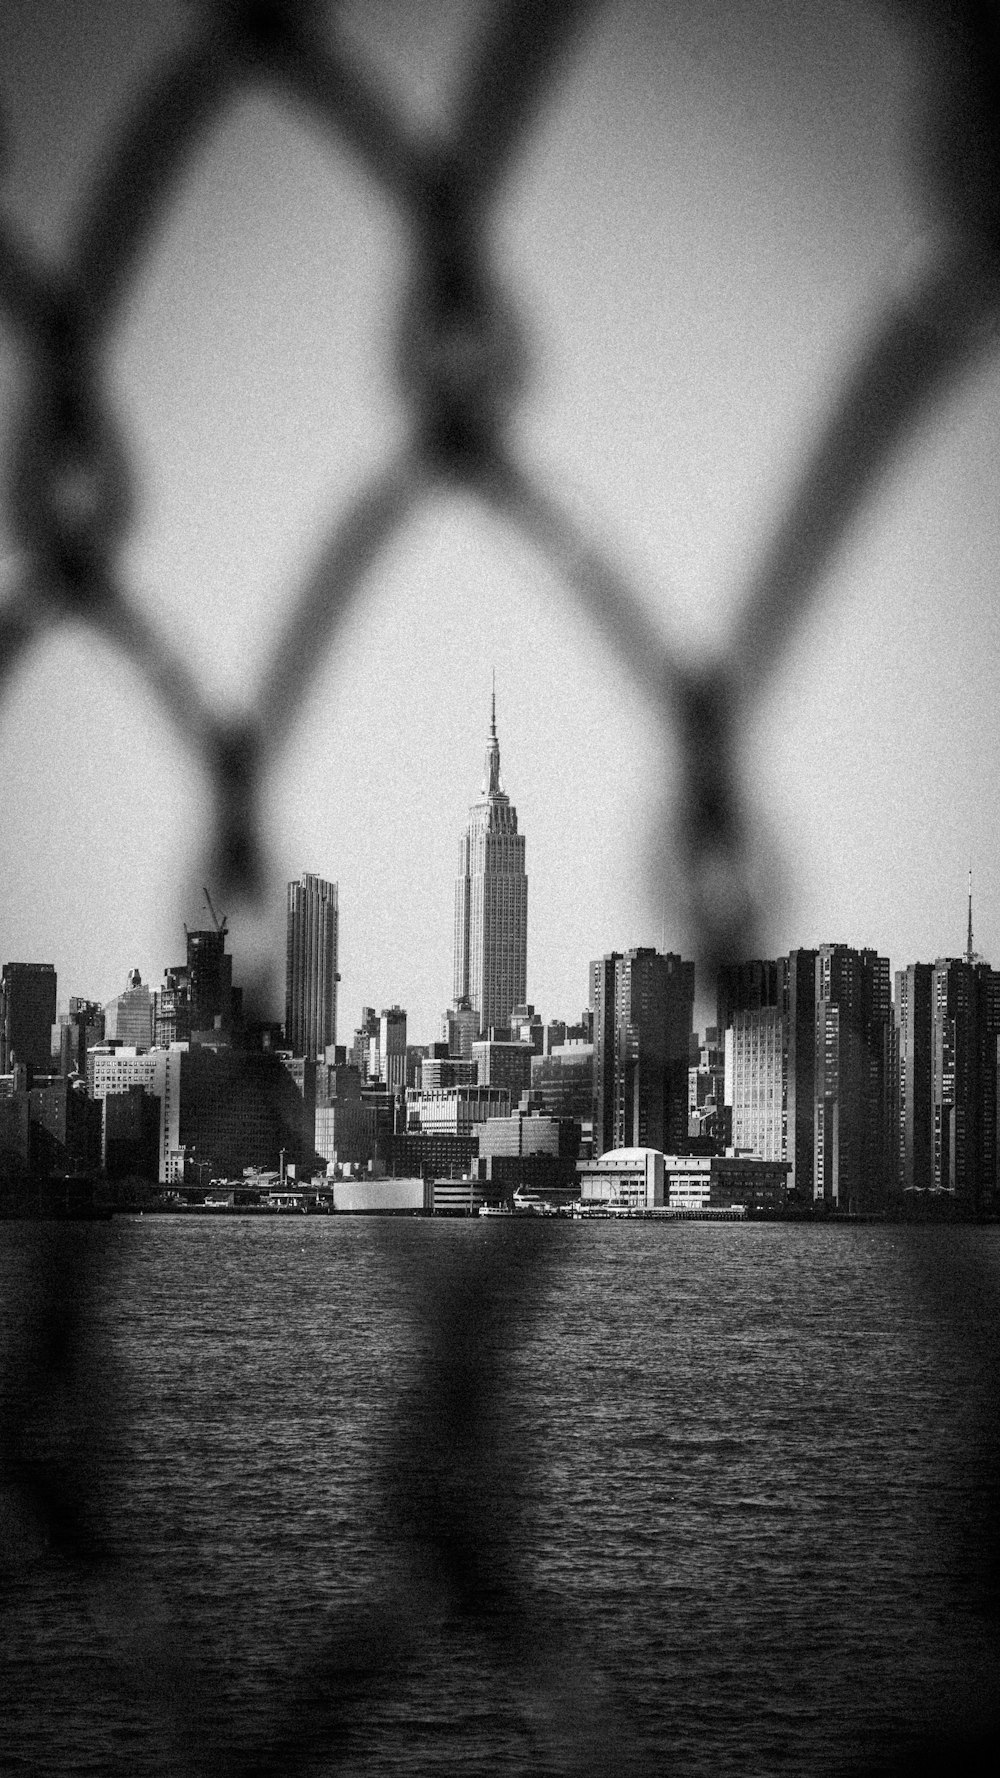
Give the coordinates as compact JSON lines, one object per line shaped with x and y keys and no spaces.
{"x":732,"y":1493}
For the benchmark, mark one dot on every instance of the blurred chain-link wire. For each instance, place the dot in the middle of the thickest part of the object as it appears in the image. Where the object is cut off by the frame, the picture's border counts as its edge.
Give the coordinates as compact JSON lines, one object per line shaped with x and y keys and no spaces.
{"x":462,"y":365}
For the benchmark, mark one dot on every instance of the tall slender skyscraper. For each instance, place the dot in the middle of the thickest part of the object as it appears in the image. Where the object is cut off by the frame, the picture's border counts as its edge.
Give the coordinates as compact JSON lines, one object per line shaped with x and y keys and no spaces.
{"x":27,"y":1015}
{"x":914,"y":1059}
{"x":643,"y":1012}
{"x":491,"y":901}
{"x":311,"y":966}
{"x":853,"y":1158}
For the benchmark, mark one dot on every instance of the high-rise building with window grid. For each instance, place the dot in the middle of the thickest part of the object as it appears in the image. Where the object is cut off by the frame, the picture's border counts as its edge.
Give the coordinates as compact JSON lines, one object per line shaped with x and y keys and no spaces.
{"x":311,"y":966}
{"x":27,"y":1015}
{"x":643,"y":1006}
{"x":491,"y":902}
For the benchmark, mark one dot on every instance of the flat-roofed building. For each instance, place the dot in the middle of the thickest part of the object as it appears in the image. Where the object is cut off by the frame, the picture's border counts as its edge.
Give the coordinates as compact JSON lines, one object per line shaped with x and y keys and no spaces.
{"x":455,"y":1109}
{"x":345,"y":1133}
{"x":117,"y":1069}
{"x":27,"y":1015}
{"x":460,"y":1028}
{"x":311,"y":942}
{"x":381,"y":1197}
{"x":645,"y":1179}
{"x":688,"y":1181}
{"x":562,"y":1081}
{"x":724,"y":1182}
{"x":392,"y":1048}
{"x":623,"y":1179}
{"x":130,"y":1134}
{"x":446,"y":1071}
{"x":526,"y":1027}
{"x":756,"y":1044}
{"x":762,"y":1185}
{"x":114,"y":1068}
{"x":455,"y":1197}
{"x":529,"y":1149}
{"x":503,"y":1064}
{"x":643,"y":1007}
{"x":75,"y":1032}
{"x":853,"y":1134}
{"x":914,"y":1061}
{"x":240,"y":1109}
{"x":433,"y":1154}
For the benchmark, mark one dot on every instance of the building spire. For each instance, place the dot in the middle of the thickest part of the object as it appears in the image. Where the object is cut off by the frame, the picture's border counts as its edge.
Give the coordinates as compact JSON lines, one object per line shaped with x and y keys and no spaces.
{"x":969,"y":953}
{"x":491,"y":776}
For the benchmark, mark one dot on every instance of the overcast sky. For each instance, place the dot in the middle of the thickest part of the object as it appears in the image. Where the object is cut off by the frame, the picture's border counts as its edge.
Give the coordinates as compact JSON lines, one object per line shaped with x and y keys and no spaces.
{"x":699,"y":229}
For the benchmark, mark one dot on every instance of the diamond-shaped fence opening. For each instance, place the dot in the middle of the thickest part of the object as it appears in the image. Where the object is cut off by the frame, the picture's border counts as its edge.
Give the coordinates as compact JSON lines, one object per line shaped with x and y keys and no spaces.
{"x":461,"y":367}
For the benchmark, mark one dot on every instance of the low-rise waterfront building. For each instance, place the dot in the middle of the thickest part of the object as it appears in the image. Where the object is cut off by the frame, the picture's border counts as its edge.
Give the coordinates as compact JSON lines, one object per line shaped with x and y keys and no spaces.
{"x":645,"y":1179}
{"x":455,"y":1197}
{"x":623,"y":1179}
{"x":359,"y":1197}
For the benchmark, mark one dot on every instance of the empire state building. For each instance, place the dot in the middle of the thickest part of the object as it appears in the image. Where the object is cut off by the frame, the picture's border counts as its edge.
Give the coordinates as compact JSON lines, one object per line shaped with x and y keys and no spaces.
{"x":491,"y":901}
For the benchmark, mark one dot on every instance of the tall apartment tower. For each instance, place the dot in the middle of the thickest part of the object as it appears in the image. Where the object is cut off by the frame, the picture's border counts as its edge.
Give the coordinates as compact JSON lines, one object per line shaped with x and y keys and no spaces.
{"x":759,"y":1002}
{"x":756,"y":1052}
{"x":643,"y":1006}
{"x":491,"y":902}
{"x":852,"y":1102}
{"x":311,"y":966}
{"x":392,"y":1048}
{"x":965,"y":1024}
{"x":914,"y":1108}
{"x":750,"y":986}
{"x":27,"y":1015}
{"x":798,"y":1001}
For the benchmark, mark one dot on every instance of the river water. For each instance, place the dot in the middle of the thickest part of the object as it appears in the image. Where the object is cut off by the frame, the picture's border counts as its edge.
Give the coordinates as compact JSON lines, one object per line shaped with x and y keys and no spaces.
{"x":411,"y":1496}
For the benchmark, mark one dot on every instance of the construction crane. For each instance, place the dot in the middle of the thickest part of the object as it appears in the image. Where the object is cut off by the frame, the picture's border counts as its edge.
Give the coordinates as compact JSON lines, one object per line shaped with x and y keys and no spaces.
{"x":220,"y":925}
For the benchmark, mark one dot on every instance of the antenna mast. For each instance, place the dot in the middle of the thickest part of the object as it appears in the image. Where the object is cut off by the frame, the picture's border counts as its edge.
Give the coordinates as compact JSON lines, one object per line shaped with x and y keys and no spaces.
{"x":969,"y":953}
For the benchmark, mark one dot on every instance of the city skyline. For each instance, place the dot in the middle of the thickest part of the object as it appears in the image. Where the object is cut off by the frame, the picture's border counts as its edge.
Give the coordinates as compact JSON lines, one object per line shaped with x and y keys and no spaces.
{"x":778,"y":205}
{"x":706,"y":1004}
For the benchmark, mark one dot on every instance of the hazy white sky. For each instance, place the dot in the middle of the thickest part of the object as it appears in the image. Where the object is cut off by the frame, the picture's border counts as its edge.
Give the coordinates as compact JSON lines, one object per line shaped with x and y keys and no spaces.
{"x":712,"y":204}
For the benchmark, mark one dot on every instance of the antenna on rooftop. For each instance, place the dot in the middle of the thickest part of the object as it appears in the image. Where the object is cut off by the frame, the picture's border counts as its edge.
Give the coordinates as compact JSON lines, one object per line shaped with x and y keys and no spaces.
{"x":970,"y":955}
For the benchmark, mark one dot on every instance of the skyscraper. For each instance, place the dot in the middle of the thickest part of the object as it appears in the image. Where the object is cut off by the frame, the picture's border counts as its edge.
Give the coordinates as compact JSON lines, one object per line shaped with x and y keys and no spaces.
{"x":392,"y":1048}
{"x":853,"y":1160}
{"x":914,"y":1108}
{"x":965,"y":1024}
{"x":129,"y":1016}
{"x":756,"y":1059}
{"x":643,"y":1011}
{"x":491,"y":902}
{"x":197,"y":1001}
{"x":27,"y":1015}
{"x":311,"y":966}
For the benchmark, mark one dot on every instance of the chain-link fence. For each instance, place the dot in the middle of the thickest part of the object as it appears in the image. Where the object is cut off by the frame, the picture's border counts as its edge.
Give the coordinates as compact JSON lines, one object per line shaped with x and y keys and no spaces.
{"x":461,"y":365}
